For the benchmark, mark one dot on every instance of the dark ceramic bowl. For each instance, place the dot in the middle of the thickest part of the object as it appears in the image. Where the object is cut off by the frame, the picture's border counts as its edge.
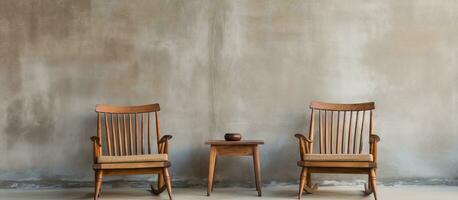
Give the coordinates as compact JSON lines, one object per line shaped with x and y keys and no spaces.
{"x":232,"y":136}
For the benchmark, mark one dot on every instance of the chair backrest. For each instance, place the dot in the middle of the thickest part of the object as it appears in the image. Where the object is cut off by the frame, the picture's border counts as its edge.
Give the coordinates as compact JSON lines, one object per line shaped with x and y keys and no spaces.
{"x":341,"y":128}
{"x":126,"y":130}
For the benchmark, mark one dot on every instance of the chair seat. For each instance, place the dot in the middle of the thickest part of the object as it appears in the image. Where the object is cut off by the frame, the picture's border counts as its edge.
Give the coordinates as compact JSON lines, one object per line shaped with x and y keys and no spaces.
{"x":132,"y":165}
{"x":133,"y":158}
{"x":338,"y":158}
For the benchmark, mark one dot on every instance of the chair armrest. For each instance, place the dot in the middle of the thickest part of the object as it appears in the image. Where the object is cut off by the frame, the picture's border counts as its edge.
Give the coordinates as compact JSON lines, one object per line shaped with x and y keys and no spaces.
{"x":304,"y":145}
{"x":301,"y":136}
{"x":96,"y":140}
{"x":96,"y":148}
{"x":165,"y":138}
{"x":163,"y":143}
{"x":374,"y":138}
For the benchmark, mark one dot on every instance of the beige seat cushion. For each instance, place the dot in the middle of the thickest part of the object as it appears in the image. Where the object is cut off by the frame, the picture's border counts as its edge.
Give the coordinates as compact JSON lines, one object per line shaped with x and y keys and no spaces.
{"x":133,"y":158}
{"x":338,"y":157}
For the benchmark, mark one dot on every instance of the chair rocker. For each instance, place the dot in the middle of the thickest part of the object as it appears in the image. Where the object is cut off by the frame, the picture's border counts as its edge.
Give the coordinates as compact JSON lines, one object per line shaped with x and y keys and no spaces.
{"x":342,"y":131}
{"x":123,"y":145}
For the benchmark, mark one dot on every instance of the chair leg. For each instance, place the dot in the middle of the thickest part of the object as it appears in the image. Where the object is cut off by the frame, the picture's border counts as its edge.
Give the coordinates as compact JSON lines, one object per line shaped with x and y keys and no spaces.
{"x":302,"y":181}
{"x":309,"y":179}
{"x":160,"y":185}
{"x":168,"y":183}
{"x":367,"y":187}
{"x":160,"y":181}
{"x":98,"y":183}
{"x":373,"y":183}
{"x":310,"y":188}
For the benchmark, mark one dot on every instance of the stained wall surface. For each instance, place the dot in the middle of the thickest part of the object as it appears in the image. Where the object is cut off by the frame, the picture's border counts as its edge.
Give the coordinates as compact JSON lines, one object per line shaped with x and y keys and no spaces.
{"x":226,"y":66}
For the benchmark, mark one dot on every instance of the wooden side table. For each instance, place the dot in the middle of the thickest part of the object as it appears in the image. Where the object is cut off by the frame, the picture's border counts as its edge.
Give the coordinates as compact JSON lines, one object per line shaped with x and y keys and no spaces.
{"x":234,"y":148}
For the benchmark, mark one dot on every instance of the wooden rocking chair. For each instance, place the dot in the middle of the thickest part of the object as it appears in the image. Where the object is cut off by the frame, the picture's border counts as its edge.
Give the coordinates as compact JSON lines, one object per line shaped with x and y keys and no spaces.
{"x":128,"y":145}
{"x":342,"y":133}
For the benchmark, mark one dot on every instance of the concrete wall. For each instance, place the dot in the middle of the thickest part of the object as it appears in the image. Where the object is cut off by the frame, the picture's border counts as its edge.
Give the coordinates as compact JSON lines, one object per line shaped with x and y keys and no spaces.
{"x":226,"y":66}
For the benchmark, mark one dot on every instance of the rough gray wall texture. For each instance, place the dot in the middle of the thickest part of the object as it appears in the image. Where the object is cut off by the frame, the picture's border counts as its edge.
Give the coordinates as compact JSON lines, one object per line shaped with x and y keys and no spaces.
{"x":223,"y":66}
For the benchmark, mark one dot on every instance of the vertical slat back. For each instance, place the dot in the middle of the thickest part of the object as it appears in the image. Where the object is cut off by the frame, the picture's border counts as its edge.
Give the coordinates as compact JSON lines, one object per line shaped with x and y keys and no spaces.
{"x":115,"y":145}
{"x":131,"y":135}
{"x":126,"y":146}
{"x":349,"y":132}
{"x":338,"y":134}
{"x":321,"y":134}
{"x":326,"y":145}
{"x":149,"y":133}
{"x":341,"y":127}
{"x":362,"y":133}
{"x":371,"y":128}
{"x":343,"y":132}
{"x":331,"y":142}
{"x":120,"y":136}
{"x":108,"y":136}
{"x":142,"y":135}
{"x":312,"y":129}
{"x":137,"y":135}
{"x":158,"y":128}
{"x":355,"y":135}
{"x":127,"y":129}
{"x":99,"y":125}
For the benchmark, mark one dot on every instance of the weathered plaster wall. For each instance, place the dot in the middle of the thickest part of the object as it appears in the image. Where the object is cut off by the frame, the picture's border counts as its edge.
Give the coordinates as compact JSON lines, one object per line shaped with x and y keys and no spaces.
{"x":222,"y":66}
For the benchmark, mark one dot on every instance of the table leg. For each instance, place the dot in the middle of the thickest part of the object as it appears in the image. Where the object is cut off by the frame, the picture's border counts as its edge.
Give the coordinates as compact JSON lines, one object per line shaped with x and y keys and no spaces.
{"x":214,"y":169}
{"x":257,"y":169}
{"x":211,"y":169}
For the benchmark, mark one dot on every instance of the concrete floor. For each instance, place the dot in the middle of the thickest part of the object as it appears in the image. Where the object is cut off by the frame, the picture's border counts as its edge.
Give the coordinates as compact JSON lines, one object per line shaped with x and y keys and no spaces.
{"x":277,"y":192}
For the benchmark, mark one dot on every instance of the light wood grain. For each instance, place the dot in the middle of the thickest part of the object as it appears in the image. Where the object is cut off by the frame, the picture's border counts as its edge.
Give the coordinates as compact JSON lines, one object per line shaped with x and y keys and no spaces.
{"x":236,"y":143}
{"x":108,"y":136}
{"x":127,"y":109}
{"x":125,"y":136}
{"x":234,"y":148}
{"x":348,"y":137}
{"x":341,"y":107}
{"x":211,"y":169}
{"x":311,"y":130}
{"x":115,"y":144}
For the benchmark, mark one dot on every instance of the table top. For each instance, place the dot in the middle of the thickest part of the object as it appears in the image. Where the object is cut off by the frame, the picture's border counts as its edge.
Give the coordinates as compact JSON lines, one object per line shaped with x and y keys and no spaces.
{"x":229,"y":143}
